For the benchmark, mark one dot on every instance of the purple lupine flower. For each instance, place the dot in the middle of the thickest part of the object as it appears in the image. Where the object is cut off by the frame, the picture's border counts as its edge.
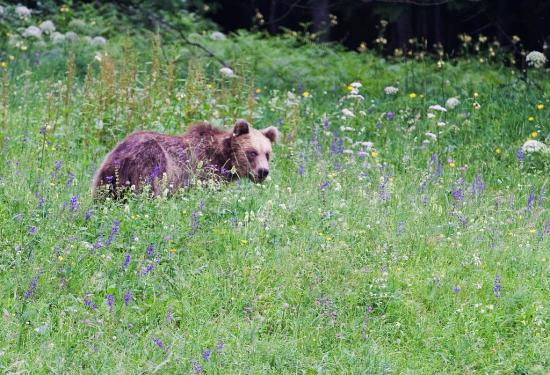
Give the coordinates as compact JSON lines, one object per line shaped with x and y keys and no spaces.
{"x":546,"y":228}
{"x":325,"y":123}
{"x":530,"y":201}
{"x":206,"y":354}
{"x":438,"y":171}
{"x":400,"y":227}
{"x":520,"y":155}
{"x":32,"y":229}
{"x":40,"y":202}
{"x":362,"y":154}
{"x":194,"y":222}
{"x":496,"y":288}
{"x":458,"y":196}
{"x":98,"y":244}
{"x":197,"y":369}
{"x":462,"y":219}
{"x":110,"y":301}
{"x":389,"y":115}
{"x":89,"y":303}
{"x":74,"y":203}
{"x":542,"y":196}
{"x":127,"y":259}
{"x":219,"y":346}
{"x":114,"y":231}
{"x":57,"y":165}
{"x":88,"y":214}
{"x":324,"y":185}
{"x":384,"y":194}
{"x":159,"y":343}
{"x":456,"y":289}
{"x":70,"y":180}
{"x":127,"y":297}
{"x":150,"y":250}
{"x":433,"y":160}
{"x":478,"y":185}
{"x":202,"y":205}
{"x":301,"y":169}
{"x":43,"y":130}
{"x":32,"y":286}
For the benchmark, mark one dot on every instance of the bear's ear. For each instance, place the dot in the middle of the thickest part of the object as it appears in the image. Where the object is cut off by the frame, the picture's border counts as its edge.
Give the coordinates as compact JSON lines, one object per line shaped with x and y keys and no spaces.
{"x":271,"y":133}
{"x":240,"y":128}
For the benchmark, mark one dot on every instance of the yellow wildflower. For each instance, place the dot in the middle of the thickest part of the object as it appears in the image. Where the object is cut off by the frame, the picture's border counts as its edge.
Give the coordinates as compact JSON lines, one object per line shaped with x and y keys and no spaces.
{"x":476,"y":94}
{"x":258,"y":90}
{"x":374,"y":154}
{"x":498,"y":151}
{"x":173,"y":250}
{"x":531,"y":118}
{"x":534,"y":134}
{"x":412,"y":95}
{"x":532,"y":231}
{"x":476,"y":105}
{"x":306,"y":94}
{"x":60,"y":258}
{"x":244,"y":242}
{"x":540,"y":106}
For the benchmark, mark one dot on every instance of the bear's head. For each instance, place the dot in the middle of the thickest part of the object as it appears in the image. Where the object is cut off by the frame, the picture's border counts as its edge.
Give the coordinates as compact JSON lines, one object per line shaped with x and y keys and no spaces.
{"x":251,"y":150}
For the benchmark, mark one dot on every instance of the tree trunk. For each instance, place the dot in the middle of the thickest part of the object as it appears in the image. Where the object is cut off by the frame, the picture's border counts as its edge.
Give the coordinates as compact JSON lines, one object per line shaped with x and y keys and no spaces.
{"x":321,"y":21}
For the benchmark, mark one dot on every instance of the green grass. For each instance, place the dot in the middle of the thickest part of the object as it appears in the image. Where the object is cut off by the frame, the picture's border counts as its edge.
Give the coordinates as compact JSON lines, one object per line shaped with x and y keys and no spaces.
{"x":379,"y":271}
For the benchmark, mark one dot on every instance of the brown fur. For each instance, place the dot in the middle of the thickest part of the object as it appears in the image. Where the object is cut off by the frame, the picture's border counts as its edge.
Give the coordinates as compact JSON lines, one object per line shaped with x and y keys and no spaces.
{"x":149,"y":158}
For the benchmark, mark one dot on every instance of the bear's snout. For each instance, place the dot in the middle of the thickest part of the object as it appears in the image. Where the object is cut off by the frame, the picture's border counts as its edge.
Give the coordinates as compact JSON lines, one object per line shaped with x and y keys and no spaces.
{"x":262,"y":174}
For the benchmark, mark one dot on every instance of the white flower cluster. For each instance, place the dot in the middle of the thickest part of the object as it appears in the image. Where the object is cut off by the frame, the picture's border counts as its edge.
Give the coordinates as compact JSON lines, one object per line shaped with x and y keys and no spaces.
{"x":32,"y":32}
{"x":22,"y":11}
{"x":216,"y":35}
{"x":47,"y":27}
{"x":535,"y":59}
{"x":391,"y":90}
{"x":227,"y":72}
{"x":535,"y":146}
{"x":452,"y":102}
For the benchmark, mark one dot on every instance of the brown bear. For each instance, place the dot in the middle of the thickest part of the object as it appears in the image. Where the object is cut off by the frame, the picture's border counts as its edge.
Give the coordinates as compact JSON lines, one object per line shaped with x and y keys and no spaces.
{"x":172,"y":162}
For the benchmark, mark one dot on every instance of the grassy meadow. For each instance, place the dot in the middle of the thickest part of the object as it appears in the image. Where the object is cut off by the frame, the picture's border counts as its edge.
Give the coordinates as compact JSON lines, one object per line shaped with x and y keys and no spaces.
{"x":400,"y":231}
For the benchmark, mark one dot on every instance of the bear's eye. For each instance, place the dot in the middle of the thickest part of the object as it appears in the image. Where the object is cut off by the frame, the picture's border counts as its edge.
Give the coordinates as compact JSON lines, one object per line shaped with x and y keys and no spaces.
{"x":267,"y":156}
{"x":251,"y":155}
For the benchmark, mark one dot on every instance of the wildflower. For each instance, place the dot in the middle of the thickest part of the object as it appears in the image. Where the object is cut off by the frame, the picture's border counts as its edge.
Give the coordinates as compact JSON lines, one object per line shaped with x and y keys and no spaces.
{"x":437,"y":107}
{"x":60,"y":258}
{"x":456,"y":289}
{"x":110,"y":301}
{"x":412,"y":95}
{"x":476,"y":105}
{"x":324,"y":185}
{"x":530,"y":201}
{"x":88,"y":214}
{"x":498,"y":151}
{"x":356,"y":85}
{"x":98,"y":41}
{"x":306,"y":94}
{"x":127,"y":259}
{"x":451,"y":163}
{"x":458,"y":196}
{"x":244,"y":242}
{"x":374,"y":154}
{"x":347,"y":113}
{"x":32,"y":32}
{"x":150,"y":250}
{"x":206,"y":354}
{"x":389,"y":115}
{"x":22,"y":11}
{"x":169,"y":313}
{"x":32,"y":286}
{"x":197,"y":369}
{"x":496,"y":288}
{"x":114,"y":231}
{"x":159,"y":343}
{"x":32,"y":229}
{"x":219,"y":346}
{"x":227,"y":72}
{"x":534,"y":146}
{"x":535,"y":59}
{"x":540,"y":106}
{"x":430,"y":115}
{"x":432,"y":136}
{"x":391,"y":90}
{"x":74,"y":203}
{"x":216,"y":35}
{"x":127,"y":297}
{"x":478,"y":186}
{"x":531,"y":118}
{"x":47,"y":27}
{"x":71,"y":36}
{"x":368,"y":145}
{"x":89,"y":303}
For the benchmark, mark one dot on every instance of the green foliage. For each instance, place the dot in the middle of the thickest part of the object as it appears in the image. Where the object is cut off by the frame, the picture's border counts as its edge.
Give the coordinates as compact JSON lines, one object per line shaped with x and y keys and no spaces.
{"x":402,"y":242}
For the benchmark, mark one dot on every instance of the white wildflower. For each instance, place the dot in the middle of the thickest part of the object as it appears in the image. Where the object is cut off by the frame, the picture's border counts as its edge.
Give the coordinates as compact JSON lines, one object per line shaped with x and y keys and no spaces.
{"x":349,"y":152}
{"x":439,"y":108}
{"x":291,"y":99}
{"x":71,"y":36}
{"x":441,"y":124}
{"x":227,"y":72}
{"x":368,"y":145}
{"x":47,"y":27}
{"x":2,"y":10}
{"x":535,"y":59}
{"x":452,"y":102}
{"x":391,"y":90}
{"x":356,"y":85}
{"x":432,"y":136}
{"x":57,"y":38}
{"x":98,"y":41}
{"x":355,"y":96}
{"x":22,"y":11}
{"x":347,"y":113}
{"x":216,"y":35}
{"x":346,"y":129}
{"x":32,"y":32}
{"x":535,"y":146}
{"x":431,"y":115}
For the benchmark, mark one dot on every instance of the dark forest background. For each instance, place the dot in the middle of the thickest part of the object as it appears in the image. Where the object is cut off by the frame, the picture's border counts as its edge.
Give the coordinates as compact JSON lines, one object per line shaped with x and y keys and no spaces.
{"x":351,"y":22}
